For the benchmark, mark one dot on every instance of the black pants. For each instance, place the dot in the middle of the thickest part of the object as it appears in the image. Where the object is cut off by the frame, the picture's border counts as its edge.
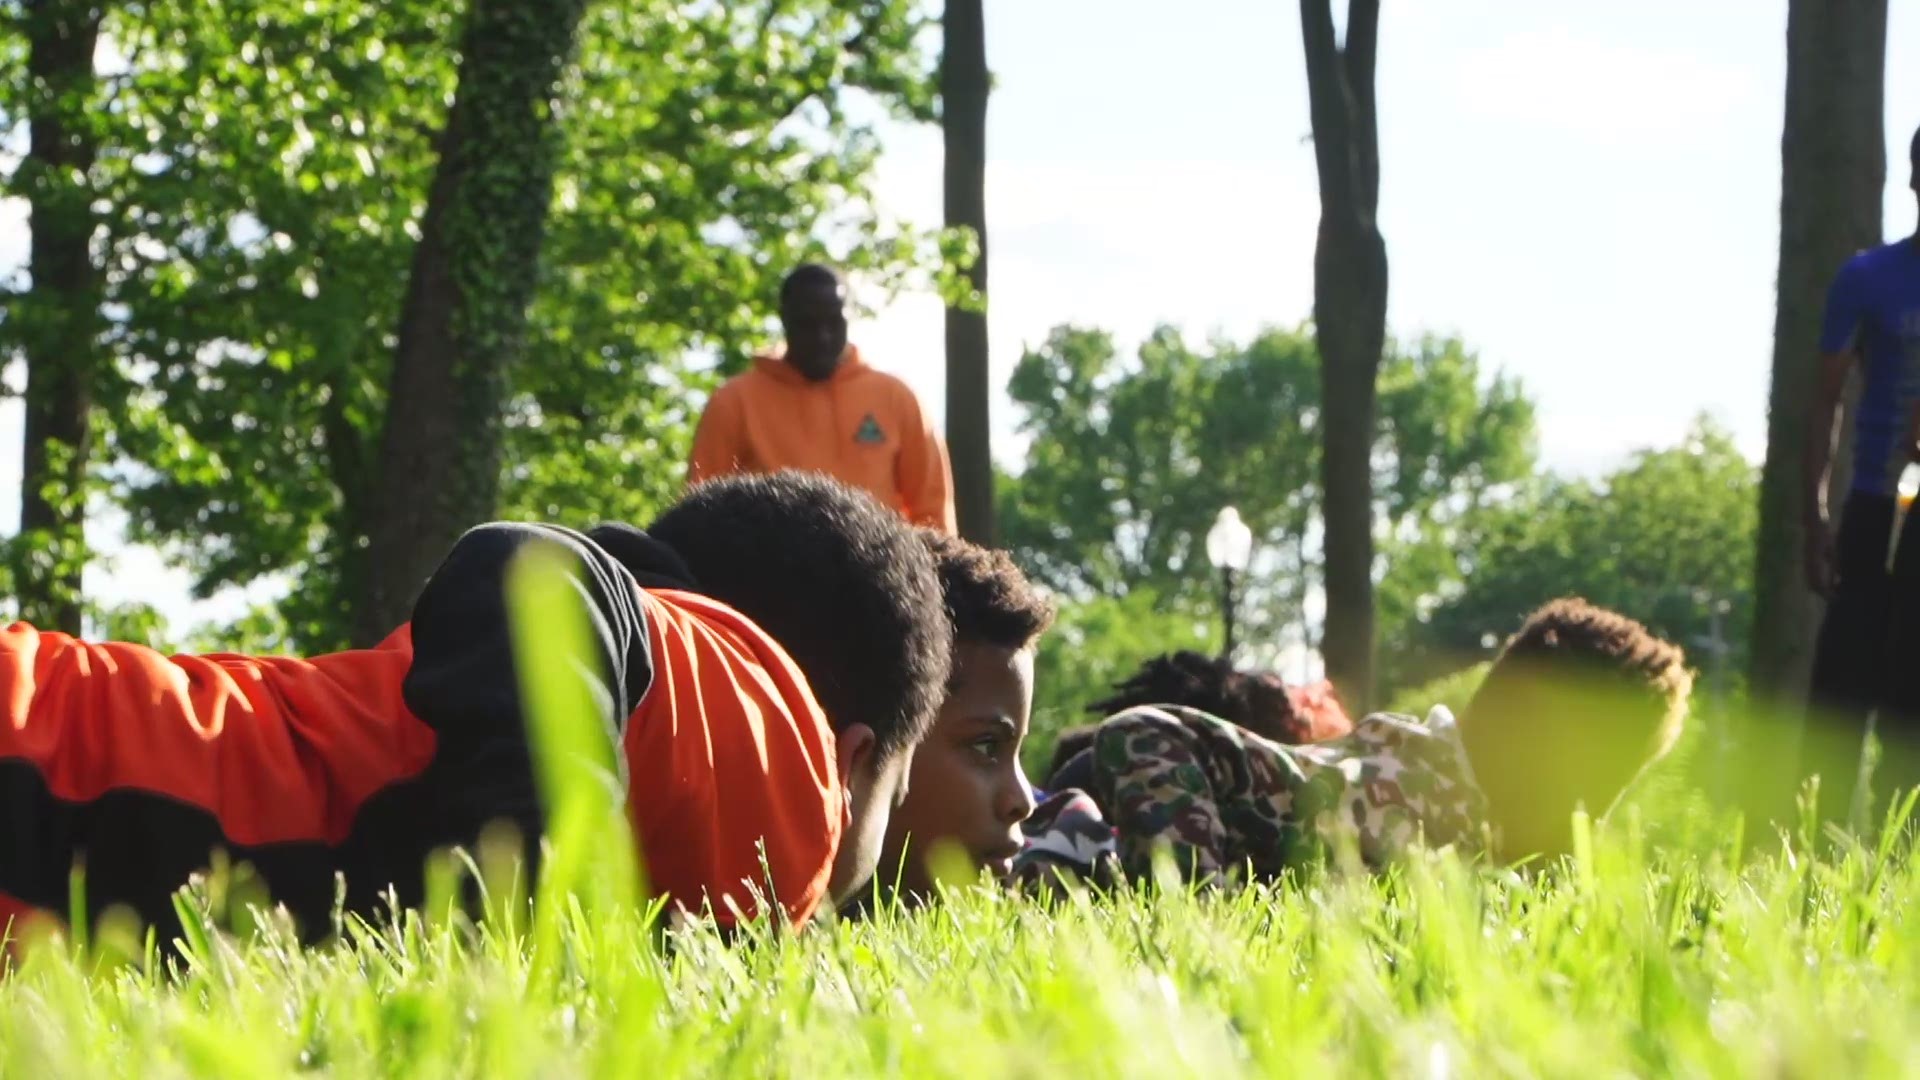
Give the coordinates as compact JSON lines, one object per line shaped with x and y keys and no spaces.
{"x":1867,"y":660}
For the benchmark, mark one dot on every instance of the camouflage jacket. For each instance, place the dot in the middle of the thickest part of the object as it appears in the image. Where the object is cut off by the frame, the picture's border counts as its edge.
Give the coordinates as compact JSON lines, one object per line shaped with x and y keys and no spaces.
{"x":1219,"y":799}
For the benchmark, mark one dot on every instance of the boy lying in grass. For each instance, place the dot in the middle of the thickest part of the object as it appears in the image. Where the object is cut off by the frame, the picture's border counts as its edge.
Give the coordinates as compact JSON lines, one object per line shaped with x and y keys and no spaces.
{"x":1578,"y":704}
{"x":767,"y":659}
{"x":967,"y":793}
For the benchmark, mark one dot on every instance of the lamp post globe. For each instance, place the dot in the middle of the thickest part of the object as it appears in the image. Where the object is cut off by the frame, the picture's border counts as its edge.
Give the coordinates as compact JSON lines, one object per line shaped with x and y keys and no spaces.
{"x":1229,"y":542}
{"x":1230,"y":550}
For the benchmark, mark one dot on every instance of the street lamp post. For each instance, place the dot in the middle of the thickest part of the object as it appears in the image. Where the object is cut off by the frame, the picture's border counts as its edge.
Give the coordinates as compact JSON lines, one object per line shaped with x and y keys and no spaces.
{"x":1718,"y":722}
{"x":1715,"y":641}
{"x":1230,"y":550}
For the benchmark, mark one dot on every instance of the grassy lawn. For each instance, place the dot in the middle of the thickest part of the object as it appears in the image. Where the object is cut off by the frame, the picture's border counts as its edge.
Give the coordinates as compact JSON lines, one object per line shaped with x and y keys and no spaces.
{"x":1696,"y":958}
{"x":1624,"y":964}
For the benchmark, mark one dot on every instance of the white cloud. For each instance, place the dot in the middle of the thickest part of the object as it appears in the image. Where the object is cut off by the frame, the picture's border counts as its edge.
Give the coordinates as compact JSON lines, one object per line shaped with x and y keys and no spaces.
{"x":1589,"y":443}
{"x":12,"y":420}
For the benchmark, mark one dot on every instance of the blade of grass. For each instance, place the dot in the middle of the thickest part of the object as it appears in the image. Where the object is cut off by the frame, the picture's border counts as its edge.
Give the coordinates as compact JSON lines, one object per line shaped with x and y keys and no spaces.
{"x":591,"y":853}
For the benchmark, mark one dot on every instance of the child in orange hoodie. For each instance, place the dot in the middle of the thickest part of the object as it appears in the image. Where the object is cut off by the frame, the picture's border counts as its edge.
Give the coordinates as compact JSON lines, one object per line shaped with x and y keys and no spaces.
{"x":766,"y":661}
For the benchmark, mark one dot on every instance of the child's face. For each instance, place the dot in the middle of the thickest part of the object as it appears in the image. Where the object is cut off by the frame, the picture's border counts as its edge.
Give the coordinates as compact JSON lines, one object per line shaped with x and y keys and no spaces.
{"x":1558,"y":748}
{"x":968,"y":794}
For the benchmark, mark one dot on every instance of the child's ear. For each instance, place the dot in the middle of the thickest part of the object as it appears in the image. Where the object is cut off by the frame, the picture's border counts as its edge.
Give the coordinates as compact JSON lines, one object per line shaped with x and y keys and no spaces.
{"x":854,"y":747}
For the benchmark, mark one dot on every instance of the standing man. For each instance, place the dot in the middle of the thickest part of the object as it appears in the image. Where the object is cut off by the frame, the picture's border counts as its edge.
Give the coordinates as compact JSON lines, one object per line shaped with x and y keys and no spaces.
{"x":818,"y":407}
{"x":1868,"y":654}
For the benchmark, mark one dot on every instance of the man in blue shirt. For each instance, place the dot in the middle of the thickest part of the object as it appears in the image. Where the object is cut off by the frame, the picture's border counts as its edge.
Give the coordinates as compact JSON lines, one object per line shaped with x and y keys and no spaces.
{"x":1867,"y":660}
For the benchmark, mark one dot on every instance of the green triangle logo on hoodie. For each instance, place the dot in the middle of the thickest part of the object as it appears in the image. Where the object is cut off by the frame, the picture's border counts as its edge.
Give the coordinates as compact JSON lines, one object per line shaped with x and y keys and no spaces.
{"x":870,"y":433}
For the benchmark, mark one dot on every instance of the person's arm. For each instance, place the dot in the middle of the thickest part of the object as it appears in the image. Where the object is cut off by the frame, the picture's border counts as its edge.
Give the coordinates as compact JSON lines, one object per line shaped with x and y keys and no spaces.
{"x":735,"y":797}
{"x":923,"y":473}
{"x":1838,"y":332}
{"x":718,"y":441}
{"x":1067,"y":839}
{"x":1911,"y":447}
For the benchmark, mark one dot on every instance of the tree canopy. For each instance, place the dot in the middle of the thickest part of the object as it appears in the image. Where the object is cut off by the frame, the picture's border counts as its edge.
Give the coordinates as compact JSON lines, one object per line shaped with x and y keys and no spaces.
{"x":1128,"y":462}
{"x":264,"y":168}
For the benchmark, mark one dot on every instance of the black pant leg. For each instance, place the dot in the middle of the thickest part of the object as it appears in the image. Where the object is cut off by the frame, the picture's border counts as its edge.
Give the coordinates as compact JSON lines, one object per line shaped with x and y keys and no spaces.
{"x":1898,"y":722}
{"x":1849,"y":656}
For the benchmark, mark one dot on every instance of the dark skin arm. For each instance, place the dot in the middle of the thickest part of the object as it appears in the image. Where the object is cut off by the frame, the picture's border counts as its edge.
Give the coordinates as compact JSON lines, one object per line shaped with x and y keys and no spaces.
{"x":1818,"y":457}
{"x":1912,"y":443}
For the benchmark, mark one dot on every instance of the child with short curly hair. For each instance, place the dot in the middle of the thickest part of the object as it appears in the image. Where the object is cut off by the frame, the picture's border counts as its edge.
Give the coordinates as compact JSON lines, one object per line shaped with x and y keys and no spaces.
{"x":967,"y":791}
{"x":1578,"y":704}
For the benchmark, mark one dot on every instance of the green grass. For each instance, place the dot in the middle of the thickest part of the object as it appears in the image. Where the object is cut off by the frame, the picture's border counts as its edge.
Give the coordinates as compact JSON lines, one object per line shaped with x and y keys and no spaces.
{"x":1703,"y":960}
{"x":1630,"y":963}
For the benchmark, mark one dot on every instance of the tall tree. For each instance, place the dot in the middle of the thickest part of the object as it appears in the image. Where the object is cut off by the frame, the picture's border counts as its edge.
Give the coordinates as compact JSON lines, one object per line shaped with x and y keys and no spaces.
{"x":269,"y":239}
{"x":1832,"y":177}
{"x":1350,"y":320}
{"x":1667,"y":537}
{"x":964,"y":84}
{"x":465,"y":315}
{"x":57,"y":323}
{"x":1128,"y":462}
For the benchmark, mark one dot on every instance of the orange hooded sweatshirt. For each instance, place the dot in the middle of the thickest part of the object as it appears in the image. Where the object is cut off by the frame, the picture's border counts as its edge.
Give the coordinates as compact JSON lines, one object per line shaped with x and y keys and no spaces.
{"x":860,"y":426}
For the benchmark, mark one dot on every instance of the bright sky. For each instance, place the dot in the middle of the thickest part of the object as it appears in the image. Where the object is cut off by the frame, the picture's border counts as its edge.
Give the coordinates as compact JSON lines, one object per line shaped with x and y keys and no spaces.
{"x":1587,"y":193}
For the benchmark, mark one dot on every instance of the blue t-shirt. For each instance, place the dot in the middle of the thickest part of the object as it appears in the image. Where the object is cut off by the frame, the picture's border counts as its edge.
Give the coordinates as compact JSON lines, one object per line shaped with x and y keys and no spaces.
{"x":1874,"y":307}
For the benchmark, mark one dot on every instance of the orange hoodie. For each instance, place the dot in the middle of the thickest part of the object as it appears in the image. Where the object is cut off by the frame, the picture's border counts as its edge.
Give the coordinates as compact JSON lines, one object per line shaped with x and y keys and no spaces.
{"x":861,"y":427}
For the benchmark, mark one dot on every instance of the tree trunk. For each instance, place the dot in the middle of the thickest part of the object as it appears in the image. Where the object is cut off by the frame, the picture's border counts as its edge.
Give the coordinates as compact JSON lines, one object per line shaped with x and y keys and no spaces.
{"x":964,"y":84}
{"x":58,"y":322}
{"x":1350,"y":320}
{"x":1833,"y":173}
{"x":466,"y":306}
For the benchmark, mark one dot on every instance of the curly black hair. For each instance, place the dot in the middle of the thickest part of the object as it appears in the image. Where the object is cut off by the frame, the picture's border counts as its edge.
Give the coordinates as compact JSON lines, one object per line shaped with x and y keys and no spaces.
{"x":1576,"y":636}
{"x":1208,"y":683}
{"x":840,"y":581}
{"x":987,"y":596}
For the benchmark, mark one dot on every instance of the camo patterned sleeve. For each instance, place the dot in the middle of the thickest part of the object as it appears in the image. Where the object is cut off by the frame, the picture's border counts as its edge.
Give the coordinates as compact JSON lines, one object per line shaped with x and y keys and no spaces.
{"x":1212,"y":796}
{"x":1220,"y":800}
{"x":1396,"y":781}
{"x":1068,"y":839}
